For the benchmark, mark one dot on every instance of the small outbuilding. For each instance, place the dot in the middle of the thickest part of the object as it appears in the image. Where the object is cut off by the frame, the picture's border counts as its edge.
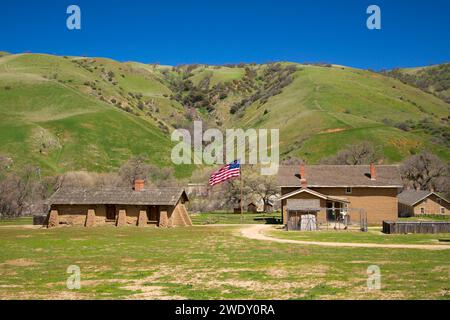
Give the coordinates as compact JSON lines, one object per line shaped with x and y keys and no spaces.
{"x":420,"y":202}
{"x":138,"y":206}
{"x":252,"y":208}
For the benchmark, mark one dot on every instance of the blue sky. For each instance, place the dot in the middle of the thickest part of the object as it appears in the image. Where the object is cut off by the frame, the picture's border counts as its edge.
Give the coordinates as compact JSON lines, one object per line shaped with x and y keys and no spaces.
{"x":414,"y":32}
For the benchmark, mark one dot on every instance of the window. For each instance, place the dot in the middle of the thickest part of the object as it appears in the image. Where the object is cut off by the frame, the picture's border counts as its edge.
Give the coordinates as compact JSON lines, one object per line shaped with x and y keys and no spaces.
{"x":442,"y":210}
{"x":422,"y":210}
{"x":348,"y":190}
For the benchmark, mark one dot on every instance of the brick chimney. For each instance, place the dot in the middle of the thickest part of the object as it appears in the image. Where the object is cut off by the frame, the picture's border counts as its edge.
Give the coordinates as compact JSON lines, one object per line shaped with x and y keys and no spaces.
{"x":373,"y":172}
{"x":304,"y":184}
{"x":303,"y":181}
{"x":139,"y":185}
{"x":302,"y":172}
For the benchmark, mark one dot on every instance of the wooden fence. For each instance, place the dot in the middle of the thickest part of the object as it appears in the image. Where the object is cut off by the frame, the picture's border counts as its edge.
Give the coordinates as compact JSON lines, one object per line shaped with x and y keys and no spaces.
{"x":404,"y":227}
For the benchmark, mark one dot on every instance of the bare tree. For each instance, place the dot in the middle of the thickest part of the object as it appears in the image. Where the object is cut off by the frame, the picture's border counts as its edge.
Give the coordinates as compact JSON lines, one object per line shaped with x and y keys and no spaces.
{"x":357,"y":154}
{"x":292,"y":161}
{"x":232,"y":193}
{"x":20,"y":194}
{"x":135,"y":168}
{"x":262,"y":187}
{"x":77,"y":180}
{"x":426,"y":171}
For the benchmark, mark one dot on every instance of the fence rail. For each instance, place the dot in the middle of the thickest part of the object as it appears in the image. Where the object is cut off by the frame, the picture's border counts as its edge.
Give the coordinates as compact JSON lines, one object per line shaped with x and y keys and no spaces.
{"x":390,"y":227}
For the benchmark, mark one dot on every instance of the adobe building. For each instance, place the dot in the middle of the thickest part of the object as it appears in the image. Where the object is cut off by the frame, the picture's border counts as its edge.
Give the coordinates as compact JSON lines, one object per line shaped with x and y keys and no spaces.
{"x":330,"y":192}
{"x":418,"y":202}
{"x":138,"y":206}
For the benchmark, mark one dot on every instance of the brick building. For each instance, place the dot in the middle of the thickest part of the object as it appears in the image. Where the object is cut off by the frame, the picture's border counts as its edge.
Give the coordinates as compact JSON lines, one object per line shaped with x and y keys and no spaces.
{"x":331,"y":192}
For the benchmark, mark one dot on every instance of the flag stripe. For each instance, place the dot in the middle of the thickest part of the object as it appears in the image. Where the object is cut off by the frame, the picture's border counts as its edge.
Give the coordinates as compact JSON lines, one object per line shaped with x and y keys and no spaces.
{"x":228,"y":172}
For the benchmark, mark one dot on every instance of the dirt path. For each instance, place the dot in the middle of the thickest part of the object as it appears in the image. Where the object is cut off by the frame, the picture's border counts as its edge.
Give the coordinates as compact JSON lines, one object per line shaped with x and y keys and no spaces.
{"x":256,"y":232}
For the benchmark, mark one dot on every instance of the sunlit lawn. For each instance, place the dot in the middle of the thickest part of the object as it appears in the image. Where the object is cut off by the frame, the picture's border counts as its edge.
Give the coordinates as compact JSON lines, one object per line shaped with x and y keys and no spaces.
{"x":16,"y":221}
{"x":206,"y":262}
{"x":373,"y":236}
{"x":230,"y":218}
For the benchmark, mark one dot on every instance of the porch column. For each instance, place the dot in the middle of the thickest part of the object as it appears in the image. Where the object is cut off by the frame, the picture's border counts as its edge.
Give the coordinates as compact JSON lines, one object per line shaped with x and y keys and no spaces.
{"x":90,"y":218}
{"x":142,"y":220}
{"x":53,"y":219}
{"x":121,"y":218}
{"x":163,"y":219}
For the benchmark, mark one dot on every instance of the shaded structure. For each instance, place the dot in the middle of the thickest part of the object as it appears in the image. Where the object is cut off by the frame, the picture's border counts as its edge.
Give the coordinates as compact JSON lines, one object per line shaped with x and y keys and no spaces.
{"x":419,"y":202}
{"x":340,"y":190}
{"x":138,"y":206}
{"x":302,"y":214}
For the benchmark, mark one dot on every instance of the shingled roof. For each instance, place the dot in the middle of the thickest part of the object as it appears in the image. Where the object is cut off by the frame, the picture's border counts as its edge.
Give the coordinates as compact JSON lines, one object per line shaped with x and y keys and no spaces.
{"x":412,"y":197}
{"x":118,"y":196}
{"x":340,"y":176}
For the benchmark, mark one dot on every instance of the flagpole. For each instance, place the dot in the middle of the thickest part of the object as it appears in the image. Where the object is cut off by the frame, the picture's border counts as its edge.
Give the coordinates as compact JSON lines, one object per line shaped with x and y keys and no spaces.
{"x":242,"y":194}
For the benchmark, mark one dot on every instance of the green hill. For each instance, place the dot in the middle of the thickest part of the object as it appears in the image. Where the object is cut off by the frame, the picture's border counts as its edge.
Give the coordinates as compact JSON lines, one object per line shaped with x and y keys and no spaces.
{"x":72,"y":113}
{"x":320,"y":109}
{"x":432,"y":79}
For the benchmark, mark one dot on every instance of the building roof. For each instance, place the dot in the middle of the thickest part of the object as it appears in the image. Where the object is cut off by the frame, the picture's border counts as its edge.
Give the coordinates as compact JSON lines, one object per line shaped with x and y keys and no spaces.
{"x":314,"y":193}
{"x":304,"y":205}
{"x":412,"y":197}
{"x":117,"y":196}
{"x":340,"y":176}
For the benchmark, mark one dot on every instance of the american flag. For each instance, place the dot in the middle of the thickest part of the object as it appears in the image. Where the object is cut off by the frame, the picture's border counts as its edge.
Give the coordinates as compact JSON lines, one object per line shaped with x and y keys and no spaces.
{"x":230,"y":171}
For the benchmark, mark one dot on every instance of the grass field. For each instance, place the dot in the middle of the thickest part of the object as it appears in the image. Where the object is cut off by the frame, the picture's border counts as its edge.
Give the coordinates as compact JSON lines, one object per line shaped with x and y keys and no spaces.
{"x":373,"y":236}
{"x":227,"y":218}
{"x":427,"y":218}
{"x":16,"y":221}
{"x":209,"y":262}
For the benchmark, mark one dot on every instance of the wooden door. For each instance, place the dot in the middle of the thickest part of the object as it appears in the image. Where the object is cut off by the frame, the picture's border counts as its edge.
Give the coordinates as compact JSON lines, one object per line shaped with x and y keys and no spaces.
{"x":153,"y":214}
{"x":110,"y":212}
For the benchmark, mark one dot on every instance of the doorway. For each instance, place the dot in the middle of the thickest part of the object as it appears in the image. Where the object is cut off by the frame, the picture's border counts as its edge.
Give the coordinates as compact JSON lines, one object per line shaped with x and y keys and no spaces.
{"x":334,"y":211}
{"x":153,"y":214}
{"x":111,"y":213}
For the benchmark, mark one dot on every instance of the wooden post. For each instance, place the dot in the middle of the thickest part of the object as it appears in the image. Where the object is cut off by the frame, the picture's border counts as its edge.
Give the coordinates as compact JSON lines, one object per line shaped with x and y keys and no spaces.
{"x":242,"y":194}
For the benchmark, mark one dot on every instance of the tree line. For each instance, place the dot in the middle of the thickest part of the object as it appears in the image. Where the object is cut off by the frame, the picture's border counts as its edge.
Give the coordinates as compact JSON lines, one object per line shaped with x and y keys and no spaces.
{"x":24,"y":192}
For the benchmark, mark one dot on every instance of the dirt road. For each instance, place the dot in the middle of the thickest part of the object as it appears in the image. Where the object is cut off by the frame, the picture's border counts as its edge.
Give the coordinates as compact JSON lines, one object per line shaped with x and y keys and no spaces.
{"x":256,"y":232}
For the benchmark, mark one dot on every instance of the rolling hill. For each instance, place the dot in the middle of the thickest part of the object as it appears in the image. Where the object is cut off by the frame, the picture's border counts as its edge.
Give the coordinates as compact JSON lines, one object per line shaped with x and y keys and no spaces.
{"x":73,"y":113}
{"x":432,"y":79}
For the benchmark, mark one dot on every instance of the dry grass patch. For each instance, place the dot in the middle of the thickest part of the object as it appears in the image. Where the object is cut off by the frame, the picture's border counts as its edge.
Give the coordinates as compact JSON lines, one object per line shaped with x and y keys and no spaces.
{"x":20,"y":263}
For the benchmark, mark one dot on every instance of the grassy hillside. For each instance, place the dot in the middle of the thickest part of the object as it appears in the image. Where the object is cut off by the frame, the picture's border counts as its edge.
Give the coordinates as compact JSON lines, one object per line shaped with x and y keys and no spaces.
{"x":58,"y":113}
{"x":327,"y":108}
{"x":72,"y":113}
{"x":319,"y":109}
{"x":432,"y":79}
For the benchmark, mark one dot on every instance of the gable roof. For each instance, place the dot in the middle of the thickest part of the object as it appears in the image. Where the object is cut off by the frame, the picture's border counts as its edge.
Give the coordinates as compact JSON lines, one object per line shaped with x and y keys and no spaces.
{"x":118,"y":196}
{"x":341,"y":176}
{"x":412,"y":197}
{"x":303,"y":204}
{"x":314,"y":193}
